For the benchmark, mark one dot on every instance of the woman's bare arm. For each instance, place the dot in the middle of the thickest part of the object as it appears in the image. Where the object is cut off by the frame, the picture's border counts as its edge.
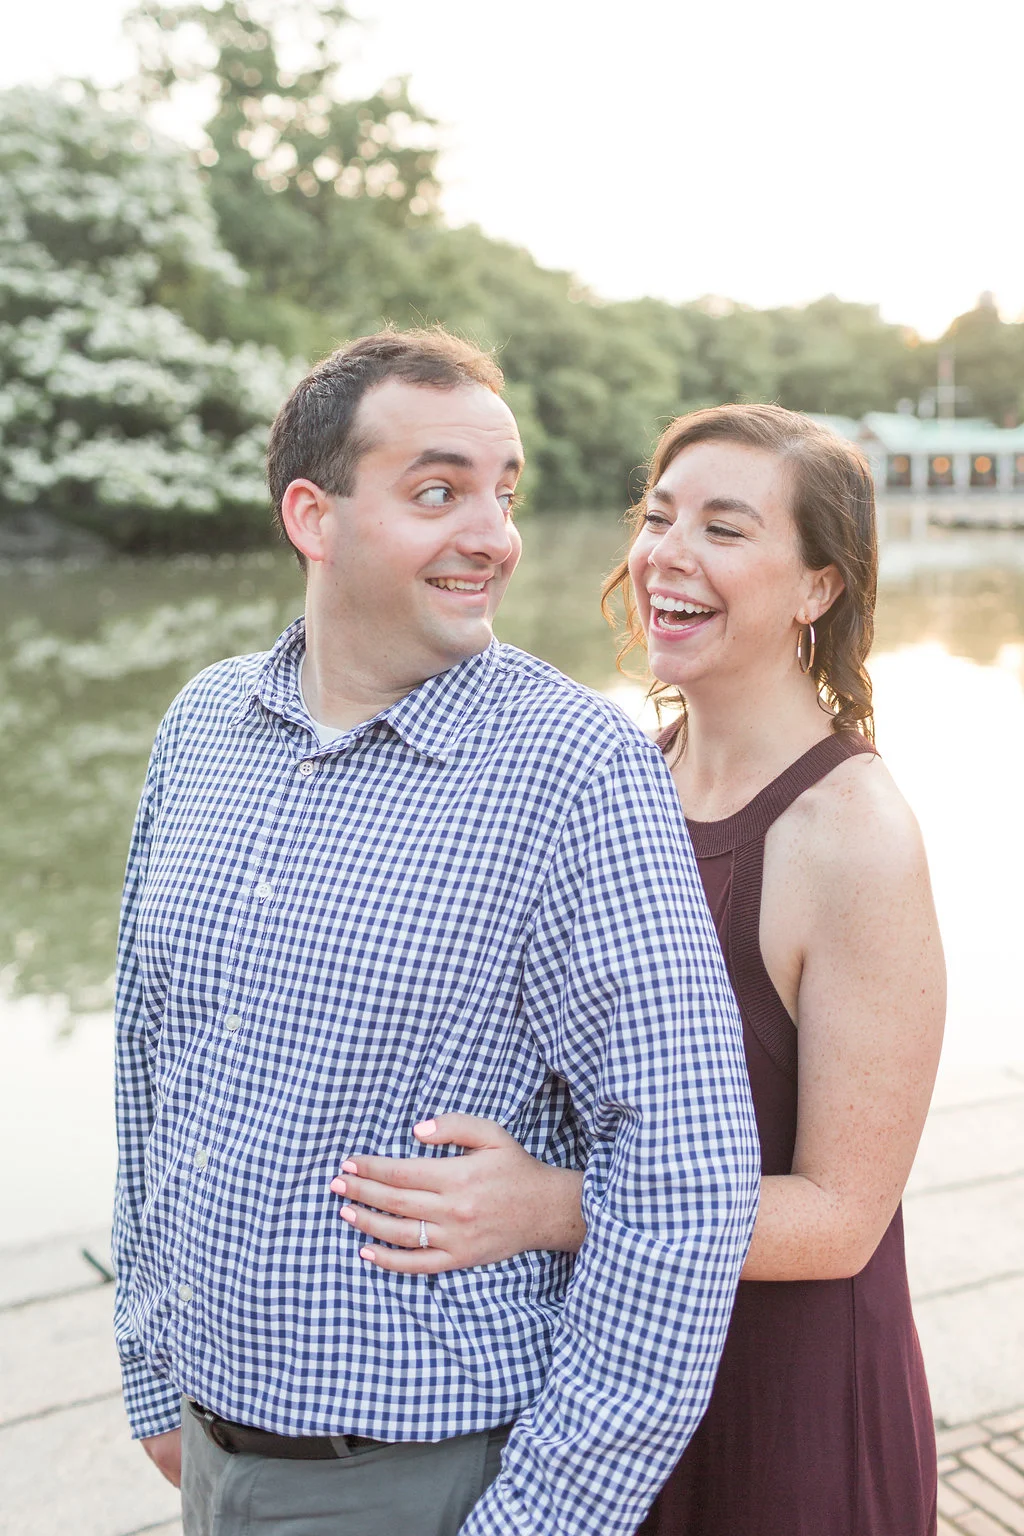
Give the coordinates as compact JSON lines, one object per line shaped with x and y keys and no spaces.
{"x":871,"y":1005}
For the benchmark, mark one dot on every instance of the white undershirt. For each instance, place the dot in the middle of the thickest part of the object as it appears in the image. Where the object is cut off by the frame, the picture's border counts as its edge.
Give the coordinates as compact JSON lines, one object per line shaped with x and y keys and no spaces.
{"x":326,"y":734}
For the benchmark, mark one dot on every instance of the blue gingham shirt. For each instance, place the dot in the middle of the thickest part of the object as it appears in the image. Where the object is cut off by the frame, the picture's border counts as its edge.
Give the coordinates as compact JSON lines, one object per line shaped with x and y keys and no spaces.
{"x":482,"y":900}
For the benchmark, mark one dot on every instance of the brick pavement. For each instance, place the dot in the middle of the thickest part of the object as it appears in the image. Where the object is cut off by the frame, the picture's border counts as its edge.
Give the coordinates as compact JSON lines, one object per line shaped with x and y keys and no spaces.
{"x":981,"y":1477}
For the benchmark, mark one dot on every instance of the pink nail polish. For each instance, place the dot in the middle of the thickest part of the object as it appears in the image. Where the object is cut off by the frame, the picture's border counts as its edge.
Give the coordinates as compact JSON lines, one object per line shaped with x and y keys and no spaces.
{"x":347,"y":1213}
{"x":349,"y":1167}
{"x":425,"y":1128}
{"x":339,"y":1186}
{"x":367,"y":1253}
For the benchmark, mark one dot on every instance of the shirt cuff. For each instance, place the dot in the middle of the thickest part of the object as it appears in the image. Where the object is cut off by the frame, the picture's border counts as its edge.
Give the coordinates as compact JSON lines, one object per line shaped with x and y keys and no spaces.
{"x":498,"y":1513}
{"x":152,"y":1404}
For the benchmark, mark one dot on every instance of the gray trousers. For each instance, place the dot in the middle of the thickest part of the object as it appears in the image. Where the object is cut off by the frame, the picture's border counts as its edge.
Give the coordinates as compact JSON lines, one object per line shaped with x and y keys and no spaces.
{"x":414,"y":1489}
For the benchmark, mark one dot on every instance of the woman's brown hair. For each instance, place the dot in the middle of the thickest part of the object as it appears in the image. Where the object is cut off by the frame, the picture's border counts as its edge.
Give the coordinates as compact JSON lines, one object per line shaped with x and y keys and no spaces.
{"x":833,"y":507}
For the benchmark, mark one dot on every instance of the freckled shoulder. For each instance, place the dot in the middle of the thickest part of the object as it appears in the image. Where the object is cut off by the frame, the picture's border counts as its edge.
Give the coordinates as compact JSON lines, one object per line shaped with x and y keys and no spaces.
{"x":854,"y":824}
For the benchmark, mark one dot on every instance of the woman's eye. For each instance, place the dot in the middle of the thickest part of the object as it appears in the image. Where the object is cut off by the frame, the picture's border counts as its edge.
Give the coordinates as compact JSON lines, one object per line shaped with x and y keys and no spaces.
{"x":724,"y":533}
{"x":435,"y":496}
{"x":655,"y":520}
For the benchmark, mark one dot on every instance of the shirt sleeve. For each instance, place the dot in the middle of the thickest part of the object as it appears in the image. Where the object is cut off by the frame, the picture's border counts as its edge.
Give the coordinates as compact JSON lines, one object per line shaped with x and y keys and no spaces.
{"x":152,"y":1403}
{"x":626,"y":991}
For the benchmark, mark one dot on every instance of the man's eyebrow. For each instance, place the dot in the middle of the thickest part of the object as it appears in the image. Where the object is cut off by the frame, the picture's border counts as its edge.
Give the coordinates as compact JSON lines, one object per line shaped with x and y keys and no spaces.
{"x":455,"y":460}
{"x":733,"y":504}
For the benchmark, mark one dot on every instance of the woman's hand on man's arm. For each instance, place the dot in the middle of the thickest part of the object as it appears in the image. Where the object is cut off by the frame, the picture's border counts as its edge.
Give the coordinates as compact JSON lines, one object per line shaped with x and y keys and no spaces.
{"x":493,"y":1202}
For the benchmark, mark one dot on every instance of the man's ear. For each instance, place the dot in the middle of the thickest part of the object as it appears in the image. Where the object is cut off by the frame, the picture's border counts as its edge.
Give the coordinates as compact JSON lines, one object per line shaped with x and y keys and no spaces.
{"x":303,"y":508}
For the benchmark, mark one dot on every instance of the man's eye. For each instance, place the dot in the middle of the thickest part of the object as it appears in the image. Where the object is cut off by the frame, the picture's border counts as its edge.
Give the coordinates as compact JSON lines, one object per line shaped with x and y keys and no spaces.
{"x":435,"y":496}
{"x":507,"y":500}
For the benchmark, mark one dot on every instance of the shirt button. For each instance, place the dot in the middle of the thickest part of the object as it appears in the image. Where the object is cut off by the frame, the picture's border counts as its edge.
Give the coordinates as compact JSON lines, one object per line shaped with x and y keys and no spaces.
{"x":306,"y":769}
{"x":185,"y":1293}
{"x":201,"y":1158}
{"x":232,"y":1022}
{"x":264,"y":889}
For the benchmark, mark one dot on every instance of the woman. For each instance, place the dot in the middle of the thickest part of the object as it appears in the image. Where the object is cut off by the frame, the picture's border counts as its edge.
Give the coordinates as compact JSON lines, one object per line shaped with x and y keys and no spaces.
{"x":751,"y":578}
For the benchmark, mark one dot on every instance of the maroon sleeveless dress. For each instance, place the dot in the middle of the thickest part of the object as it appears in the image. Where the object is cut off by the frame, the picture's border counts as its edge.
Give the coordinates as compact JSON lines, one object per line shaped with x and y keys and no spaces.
{"x":820,"y":1422}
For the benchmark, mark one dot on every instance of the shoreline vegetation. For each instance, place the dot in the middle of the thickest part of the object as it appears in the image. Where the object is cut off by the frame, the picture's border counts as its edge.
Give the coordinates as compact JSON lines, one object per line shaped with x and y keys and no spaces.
{"x":157,"y":303}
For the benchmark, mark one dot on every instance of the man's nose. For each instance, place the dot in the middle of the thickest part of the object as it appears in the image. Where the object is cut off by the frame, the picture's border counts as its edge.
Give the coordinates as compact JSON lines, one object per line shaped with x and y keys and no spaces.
{"x":486,"y":533}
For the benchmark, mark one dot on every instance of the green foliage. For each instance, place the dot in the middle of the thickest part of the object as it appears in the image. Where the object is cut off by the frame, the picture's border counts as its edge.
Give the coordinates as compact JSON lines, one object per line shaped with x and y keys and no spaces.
{"x":311,"y":191}
{"x":289,"y":126}
{"x":146,"y":300}
{"x":329,"y":203}
{"x":989,"y":358}
{"x":112,"y":405}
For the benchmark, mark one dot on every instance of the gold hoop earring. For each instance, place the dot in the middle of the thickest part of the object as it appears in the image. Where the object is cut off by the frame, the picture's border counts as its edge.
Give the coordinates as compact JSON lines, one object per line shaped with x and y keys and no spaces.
{"x":806,"y":667}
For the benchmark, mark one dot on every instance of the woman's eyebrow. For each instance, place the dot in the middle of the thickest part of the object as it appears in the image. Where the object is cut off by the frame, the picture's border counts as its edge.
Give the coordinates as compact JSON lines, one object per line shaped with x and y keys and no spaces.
{"x":733,"y":504}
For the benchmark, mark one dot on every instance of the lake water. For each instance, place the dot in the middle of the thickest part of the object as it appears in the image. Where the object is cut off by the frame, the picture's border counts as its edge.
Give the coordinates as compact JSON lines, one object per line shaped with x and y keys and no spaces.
{"x":91,"y":656}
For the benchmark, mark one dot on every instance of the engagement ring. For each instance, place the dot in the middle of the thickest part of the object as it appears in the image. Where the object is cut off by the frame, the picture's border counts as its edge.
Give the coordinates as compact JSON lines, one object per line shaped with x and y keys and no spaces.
{"x":424,"y":1239}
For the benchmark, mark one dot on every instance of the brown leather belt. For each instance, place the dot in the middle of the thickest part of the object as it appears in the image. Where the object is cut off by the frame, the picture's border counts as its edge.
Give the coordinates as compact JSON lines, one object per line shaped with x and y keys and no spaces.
{"x":236,"y":1438}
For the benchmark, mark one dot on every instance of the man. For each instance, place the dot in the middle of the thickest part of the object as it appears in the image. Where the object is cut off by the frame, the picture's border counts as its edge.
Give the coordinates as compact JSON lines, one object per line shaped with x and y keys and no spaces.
{"x":392,"y":868}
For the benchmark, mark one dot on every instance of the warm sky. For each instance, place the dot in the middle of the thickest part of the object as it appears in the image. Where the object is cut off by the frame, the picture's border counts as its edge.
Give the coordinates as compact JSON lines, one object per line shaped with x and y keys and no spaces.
{"x":770,"y":153}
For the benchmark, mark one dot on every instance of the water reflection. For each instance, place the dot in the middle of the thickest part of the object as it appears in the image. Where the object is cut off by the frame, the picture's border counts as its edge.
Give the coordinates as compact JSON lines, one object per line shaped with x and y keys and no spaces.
{"x":88,"y":662}
{"x":965,"y":591}
{"x":90,"y":658}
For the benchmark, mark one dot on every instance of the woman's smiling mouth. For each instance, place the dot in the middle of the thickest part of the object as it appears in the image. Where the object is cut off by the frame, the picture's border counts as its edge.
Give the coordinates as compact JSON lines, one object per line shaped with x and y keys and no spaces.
{"x":676,"y":614}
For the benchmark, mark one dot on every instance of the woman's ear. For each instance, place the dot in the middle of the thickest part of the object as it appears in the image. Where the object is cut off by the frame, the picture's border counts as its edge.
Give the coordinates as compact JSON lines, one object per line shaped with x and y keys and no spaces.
{"x":303,"y":508}
{"x":823,"y":587}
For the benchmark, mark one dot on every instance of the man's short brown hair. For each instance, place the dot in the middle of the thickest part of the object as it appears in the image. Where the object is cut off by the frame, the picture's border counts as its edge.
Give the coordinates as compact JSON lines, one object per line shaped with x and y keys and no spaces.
{"x":314,"y":436}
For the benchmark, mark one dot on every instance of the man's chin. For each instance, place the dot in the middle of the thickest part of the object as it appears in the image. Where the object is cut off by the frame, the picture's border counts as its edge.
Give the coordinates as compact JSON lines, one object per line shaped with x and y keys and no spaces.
{"x":465,"y":640}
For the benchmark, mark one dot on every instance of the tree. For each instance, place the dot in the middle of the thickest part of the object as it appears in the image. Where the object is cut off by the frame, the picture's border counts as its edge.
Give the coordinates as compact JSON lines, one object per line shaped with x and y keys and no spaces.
{"x":989,"y":360}
{"x":113,"y":407}
{"x":843,"y":358}
{"x":329,"y":205}
{"x":311,"y":190}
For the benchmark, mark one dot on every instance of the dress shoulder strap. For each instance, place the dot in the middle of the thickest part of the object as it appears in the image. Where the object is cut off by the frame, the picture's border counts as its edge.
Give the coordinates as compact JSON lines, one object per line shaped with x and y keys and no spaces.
{"x":751,"y":823}
{"x":742,"y":836}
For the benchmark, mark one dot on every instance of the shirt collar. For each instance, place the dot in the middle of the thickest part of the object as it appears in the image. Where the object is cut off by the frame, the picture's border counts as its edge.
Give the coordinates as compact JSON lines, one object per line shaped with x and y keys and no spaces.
{"x":428,"y":718}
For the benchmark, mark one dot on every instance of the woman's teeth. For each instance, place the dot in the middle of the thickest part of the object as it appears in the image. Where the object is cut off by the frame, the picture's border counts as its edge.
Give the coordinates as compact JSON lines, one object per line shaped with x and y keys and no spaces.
{"x":452,"y":584}
{"x":675,"y":612}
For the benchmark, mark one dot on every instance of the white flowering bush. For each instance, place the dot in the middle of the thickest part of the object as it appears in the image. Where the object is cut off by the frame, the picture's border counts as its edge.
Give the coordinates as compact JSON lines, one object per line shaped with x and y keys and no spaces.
{"x":112,"y":408}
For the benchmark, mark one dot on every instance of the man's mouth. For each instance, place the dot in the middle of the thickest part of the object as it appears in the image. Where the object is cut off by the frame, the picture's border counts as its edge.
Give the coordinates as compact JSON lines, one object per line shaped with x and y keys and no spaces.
{"x":456,"y":584}
{"x":678,"y":613}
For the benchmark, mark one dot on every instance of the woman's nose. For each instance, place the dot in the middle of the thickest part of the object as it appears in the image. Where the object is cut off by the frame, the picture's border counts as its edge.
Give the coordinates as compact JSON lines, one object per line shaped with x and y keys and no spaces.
{"x":673,"y":552}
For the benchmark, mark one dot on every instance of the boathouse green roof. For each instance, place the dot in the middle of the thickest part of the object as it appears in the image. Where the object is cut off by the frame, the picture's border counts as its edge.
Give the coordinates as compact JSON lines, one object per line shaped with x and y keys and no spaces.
{"x":895,"y":432}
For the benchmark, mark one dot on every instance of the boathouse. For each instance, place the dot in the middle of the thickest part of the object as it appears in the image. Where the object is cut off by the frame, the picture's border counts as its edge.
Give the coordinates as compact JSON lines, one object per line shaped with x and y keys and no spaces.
{"x":916,"y":453}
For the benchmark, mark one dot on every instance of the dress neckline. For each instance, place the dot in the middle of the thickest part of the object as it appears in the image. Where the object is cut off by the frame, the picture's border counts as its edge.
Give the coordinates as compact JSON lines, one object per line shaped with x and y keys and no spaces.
{"x":751,"y":821}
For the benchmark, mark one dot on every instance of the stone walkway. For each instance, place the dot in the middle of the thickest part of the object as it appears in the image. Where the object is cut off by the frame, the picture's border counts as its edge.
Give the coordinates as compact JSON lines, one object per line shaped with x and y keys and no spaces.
{"x":981,"y":1477}
{"x":68,"y":1468}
